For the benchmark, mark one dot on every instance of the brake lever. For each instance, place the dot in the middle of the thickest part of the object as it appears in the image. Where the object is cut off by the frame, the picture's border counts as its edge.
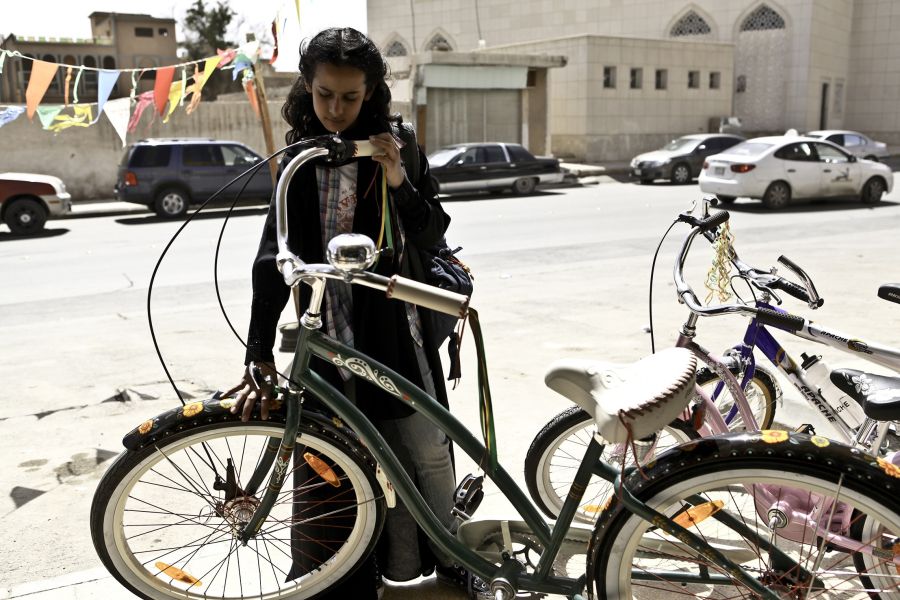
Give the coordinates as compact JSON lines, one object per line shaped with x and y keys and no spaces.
{"x":814,"y":300}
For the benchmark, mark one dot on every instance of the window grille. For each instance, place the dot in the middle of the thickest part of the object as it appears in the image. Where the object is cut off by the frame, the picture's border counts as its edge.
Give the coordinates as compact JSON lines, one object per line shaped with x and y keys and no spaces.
{"x":690,"y":24}
{"x":761,"y":19}
{"x":395,"y":48}
{"x":439,"y":43}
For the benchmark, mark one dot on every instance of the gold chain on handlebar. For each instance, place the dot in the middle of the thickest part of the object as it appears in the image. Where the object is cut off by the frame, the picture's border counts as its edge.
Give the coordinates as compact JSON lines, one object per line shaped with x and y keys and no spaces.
{"x":717,"y":278}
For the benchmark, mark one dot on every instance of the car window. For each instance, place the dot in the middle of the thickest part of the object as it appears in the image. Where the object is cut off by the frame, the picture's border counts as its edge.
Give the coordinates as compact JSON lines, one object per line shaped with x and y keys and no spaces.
{"x":851,"y":140}
{"x":830,"y":154}
{"x":471,"y":156}
{"x":517,"y":152}
{"x":727,"y":142}
{"x":749,"y":148}
{"x":683,"y":144}
{"x":150,"y":156}
{"x":836,"y":138}
{"x":238,"y":155}
{"x":799,"y":151}
{"x":442,"y":157}
{"x":202,"y":155}
{"x":493,"y":154}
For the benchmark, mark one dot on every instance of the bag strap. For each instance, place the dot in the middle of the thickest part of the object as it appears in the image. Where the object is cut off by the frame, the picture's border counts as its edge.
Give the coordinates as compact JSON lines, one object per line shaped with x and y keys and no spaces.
{"x":409,"y":153}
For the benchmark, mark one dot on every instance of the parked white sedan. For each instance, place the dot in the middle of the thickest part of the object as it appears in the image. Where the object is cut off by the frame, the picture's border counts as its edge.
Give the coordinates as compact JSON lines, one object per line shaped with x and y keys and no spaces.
{"x":777,"y":169}
{"x":854,"y":142}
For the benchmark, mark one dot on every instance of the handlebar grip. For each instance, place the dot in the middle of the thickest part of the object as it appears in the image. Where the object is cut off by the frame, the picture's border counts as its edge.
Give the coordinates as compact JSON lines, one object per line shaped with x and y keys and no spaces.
{"x":781,"y":320}
{"x":428,"y":296}
{"x":713,"y":221}
{"x":790,"y":288}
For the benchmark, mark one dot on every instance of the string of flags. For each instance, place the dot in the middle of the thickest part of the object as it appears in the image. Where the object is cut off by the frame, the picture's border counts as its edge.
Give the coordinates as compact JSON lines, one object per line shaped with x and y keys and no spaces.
{"x":167,"y":95}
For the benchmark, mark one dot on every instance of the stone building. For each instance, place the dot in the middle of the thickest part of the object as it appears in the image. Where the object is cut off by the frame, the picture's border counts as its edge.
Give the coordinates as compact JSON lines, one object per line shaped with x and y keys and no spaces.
{"x":639,"y":72}
{"x":119,"y":41}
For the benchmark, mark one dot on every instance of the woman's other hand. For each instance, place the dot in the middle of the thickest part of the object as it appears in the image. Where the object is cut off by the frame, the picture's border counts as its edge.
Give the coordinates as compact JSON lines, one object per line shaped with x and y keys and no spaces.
{"x":252,"y":388}
{"x":387,"y":154}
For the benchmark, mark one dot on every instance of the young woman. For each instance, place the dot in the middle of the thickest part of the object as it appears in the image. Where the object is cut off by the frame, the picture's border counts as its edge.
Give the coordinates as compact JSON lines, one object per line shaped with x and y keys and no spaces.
{"x":342,"y":89}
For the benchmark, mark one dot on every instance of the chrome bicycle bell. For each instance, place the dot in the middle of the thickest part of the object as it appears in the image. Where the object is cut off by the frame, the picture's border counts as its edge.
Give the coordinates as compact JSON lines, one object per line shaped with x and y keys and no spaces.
{"x":351,"y":252}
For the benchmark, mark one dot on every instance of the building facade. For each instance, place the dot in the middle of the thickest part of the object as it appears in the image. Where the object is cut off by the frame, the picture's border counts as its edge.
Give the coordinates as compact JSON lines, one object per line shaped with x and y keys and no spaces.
{"x":775,"y":64}
{"x":119,"y":41}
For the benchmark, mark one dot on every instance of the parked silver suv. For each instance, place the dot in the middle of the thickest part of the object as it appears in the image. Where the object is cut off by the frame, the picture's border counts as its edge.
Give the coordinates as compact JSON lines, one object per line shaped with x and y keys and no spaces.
{"x":168,"y":175}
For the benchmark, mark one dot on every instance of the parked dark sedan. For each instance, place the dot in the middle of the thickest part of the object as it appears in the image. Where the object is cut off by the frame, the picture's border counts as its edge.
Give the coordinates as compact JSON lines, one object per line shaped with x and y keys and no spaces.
{"x":681,"y":159}
{"x":491,"y":166}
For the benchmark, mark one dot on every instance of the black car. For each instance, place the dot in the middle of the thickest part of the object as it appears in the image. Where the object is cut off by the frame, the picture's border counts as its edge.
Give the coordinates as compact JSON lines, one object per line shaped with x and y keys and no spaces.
{"x":491,"y":166}
{"x":167,"y":175}
{"x":681,"y":159}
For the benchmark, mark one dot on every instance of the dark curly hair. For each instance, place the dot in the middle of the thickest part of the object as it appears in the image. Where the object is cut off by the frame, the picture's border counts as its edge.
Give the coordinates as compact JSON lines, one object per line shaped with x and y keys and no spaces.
{"x":339,"y":47}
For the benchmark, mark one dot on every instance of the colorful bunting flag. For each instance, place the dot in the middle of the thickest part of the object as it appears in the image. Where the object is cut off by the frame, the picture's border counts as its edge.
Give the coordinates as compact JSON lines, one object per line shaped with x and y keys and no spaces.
{"x":42,"y":74}
{"x":68,"y":79}
{"x":226,"y":55}
{"x":175,"y":95}
{"x":47,"y":113}
{"x":2,"y":59}
{"x":107,"y":82}
{"x":164,"y":77}
{"x":143,"y":101}
{"x":81,"y":117}
{"x":117,"y":111}
{"x":8,"y":114}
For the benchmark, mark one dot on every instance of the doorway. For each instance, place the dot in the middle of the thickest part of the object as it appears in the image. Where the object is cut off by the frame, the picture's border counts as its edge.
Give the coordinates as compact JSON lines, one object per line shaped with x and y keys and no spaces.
{"x":823,"y":111}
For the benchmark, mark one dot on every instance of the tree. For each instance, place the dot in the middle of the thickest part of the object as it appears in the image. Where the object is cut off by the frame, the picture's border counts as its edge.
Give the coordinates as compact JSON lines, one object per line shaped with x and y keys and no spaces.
{"x":205,"y":30}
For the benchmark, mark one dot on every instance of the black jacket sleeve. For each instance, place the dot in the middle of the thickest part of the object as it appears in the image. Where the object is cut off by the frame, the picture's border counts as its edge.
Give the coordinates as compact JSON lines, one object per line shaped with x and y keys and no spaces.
{"x":424,"y":220}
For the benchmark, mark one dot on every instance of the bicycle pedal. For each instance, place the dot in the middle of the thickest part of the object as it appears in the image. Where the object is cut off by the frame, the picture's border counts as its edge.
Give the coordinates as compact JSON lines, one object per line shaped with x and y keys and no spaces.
{"x":467,"y":497}
{"x":806,"y":428}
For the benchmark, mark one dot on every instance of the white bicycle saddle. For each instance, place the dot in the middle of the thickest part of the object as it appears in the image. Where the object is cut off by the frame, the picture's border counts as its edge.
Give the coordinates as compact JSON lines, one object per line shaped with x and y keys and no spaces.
{"x":646,"y":395}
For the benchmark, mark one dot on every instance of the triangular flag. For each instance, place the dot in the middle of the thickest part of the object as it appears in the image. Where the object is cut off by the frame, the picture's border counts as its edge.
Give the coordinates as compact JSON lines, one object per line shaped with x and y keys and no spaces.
{"x":275,"y":28}
{"x":47,"y":113}
{"x":8,"y":114}
{"x":174,"y":97}
{"x":164,"y":77}
{"x":240,"y":65}
{"x":41,"y":75}
{"x":2,"y":59}
{"x":200,"y":80}
{"x":117,"y":111}
{"x":143,"y":101}
{"x":227,"y":56}
{"x":105,"y":86}
{"x":208,"y":67}
{"x":250,"y":88}
{"x":81,"y":117}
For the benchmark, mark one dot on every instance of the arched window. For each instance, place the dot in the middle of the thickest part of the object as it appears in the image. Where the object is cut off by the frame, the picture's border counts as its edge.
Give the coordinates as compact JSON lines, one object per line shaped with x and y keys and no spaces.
{"x":89,"y":77}
{"x":761,"y":19}
{"x":690,"y":24}
{"x":109,"y":62}
{"x":395,"y":48}
{"x":439,"y":43}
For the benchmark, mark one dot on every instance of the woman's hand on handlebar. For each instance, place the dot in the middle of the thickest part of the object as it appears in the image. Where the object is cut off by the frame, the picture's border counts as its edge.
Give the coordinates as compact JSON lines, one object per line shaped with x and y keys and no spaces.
{"x":259,"y":386}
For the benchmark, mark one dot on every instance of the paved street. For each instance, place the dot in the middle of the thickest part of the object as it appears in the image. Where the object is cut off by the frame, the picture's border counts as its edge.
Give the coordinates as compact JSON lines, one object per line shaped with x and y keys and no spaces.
{"x":561,"y":273}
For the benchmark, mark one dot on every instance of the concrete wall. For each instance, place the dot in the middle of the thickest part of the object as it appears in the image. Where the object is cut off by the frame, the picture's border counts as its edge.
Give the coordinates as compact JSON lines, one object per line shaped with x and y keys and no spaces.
{"x":86,"y":159}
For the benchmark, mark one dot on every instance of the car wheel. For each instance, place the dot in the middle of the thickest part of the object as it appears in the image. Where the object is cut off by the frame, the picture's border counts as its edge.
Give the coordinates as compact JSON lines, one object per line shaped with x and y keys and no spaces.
{"x":171,"y":203}
{"x":778,"y":195}
{"x":873,"y":190}
{"x":726,"y":199}
{"x":26,"y":216}
{"x":525,"y":185}
{"x":681,"y":174}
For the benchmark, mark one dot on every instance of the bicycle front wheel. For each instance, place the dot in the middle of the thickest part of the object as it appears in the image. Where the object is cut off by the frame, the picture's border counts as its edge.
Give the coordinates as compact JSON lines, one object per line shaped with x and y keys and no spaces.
{"x":166,"y":518}
{"x":761,"y":391}
{"x":794,"y":512}
{"x":556,"y":452}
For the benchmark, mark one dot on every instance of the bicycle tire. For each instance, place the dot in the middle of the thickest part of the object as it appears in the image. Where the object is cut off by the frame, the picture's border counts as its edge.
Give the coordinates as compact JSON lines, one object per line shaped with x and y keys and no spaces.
{"x":724,"y":469}
{"x":762,"y":392}
{"x":559,"y":447}
{"x":192,"y":551}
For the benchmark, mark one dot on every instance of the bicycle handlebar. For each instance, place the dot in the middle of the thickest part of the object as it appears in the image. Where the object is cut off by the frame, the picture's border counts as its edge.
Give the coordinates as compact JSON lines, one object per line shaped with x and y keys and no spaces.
{"x":775,"y":318}
{"x":293,"y":269}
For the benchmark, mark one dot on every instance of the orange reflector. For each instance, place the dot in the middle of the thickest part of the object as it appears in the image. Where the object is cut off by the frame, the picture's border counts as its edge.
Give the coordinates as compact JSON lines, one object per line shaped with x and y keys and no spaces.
{"x":896,"y":550}
{"x":178,"y":574}
{"x":592,"y":508}
{"x":696,"y":514}
{"x":323,"y":470}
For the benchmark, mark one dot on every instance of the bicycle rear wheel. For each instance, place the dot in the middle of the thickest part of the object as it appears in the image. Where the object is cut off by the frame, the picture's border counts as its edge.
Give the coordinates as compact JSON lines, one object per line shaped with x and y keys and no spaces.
{"x":557,"y":450}
{"x":165,"y":525}
{"x":753,"y":496}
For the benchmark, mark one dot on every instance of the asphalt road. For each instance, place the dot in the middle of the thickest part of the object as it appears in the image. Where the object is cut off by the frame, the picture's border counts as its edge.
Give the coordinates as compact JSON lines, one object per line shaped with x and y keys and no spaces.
{"x":560,"y":273}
